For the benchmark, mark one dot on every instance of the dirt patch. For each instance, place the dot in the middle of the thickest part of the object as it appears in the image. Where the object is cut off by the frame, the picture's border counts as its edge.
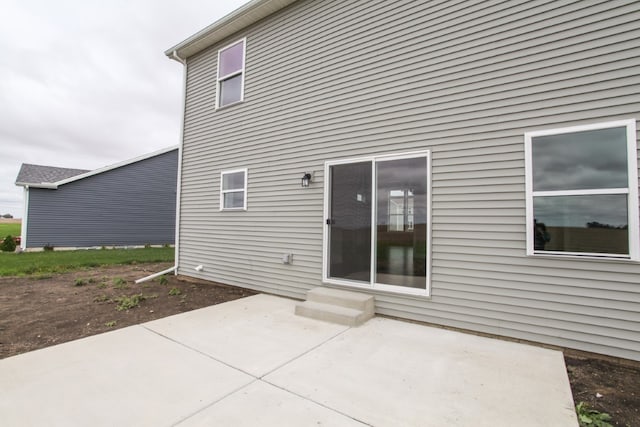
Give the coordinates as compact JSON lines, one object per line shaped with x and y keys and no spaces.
{"x":37,"y":313}
{"x":607,"y":387}
{"x":40,"y":312}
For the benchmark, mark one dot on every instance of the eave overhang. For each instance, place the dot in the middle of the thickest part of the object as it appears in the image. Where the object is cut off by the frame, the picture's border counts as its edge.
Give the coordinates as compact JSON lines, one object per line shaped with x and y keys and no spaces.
{"x":241,"y":18}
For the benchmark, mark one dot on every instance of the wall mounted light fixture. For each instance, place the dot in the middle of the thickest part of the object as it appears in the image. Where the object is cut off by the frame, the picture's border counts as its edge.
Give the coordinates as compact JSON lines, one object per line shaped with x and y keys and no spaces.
{"x":306,"y":179}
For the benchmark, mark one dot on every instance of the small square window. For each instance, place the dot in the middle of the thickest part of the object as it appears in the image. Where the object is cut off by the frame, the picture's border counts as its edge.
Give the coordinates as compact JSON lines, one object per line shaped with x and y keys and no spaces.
{"x":231,"y":74}
{"x":233,"y":190}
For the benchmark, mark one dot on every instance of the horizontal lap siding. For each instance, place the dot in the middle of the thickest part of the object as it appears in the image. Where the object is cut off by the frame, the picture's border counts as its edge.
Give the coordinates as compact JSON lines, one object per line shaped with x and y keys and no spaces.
{"x":130,"y":205}
{"x":465,"y":79}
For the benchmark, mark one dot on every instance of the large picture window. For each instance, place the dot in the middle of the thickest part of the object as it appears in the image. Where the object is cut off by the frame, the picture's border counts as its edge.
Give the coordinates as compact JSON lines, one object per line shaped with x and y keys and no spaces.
{"x":582,"y":191}
{"x":231,"y":74}
{"x":233,"y":190}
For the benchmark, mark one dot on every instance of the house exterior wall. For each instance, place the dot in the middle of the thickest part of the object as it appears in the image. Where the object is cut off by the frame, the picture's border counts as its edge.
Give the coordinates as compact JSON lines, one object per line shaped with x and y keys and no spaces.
{"x":129,"y":205}
{"x":330,"y":80}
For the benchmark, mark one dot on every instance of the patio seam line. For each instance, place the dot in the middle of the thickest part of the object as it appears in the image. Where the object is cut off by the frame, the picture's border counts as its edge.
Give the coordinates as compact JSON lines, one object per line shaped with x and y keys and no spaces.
{"x":198,"y":351}
{"x":208,"y":356}
{"x":306,"y":352}
{"x":315,"y":402}
{"x":256,"y":378}
{"x":262,"y":378}
{"x":209,"y":405}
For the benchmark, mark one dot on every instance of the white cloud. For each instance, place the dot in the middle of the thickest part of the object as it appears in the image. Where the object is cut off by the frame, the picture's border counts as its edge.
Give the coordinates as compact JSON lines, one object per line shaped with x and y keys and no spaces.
{"x":85,"y":84}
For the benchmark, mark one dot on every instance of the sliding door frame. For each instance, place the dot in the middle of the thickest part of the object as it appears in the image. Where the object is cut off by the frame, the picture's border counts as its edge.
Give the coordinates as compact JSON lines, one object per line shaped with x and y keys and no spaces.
{"x":372,"y":285}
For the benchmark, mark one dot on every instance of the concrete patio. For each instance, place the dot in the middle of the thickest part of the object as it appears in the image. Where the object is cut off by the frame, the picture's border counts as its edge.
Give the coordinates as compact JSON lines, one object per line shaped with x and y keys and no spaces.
{"x":253,"y":362}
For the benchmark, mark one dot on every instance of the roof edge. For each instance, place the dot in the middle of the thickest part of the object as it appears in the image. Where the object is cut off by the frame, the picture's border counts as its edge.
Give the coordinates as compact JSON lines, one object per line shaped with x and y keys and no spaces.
{"x":241,"y":18}
{"x":36,"y":185}
{"x":117,"y":165}
{"x":55,"y":185}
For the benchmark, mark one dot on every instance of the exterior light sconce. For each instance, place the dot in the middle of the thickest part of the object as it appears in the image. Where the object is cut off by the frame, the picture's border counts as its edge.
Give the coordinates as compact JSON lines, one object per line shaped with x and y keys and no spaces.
{"x":306,"y":179}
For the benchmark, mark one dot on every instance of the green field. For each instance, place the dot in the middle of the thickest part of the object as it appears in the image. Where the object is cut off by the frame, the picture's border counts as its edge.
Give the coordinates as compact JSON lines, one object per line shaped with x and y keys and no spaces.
{"x":6,"y":229}
{"x":41,"y":263}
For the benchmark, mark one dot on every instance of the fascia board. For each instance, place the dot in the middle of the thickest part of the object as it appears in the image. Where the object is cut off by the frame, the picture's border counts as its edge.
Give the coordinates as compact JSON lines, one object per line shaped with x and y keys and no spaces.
{"x":232,"y":23}
{"x":50,"y":186}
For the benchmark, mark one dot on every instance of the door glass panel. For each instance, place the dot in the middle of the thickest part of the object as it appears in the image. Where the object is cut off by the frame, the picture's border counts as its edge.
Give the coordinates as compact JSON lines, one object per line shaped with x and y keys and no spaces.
{"x":401,"y":233}
{"x":350,"y":229}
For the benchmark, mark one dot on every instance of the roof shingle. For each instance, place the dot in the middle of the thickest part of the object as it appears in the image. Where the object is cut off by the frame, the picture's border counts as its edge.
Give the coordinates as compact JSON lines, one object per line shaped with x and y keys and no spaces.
{"x":37,"y":174}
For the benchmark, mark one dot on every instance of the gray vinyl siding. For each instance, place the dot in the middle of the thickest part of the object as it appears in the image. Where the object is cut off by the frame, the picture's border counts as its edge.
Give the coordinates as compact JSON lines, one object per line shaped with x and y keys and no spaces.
{"x":328,"y":80}
{"x":131,"y":205}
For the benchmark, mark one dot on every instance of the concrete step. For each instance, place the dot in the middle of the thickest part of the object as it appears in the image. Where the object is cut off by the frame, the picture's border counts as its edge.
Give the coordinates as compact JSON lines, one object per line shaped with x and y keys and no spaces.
{"x":358,"y":301}
{"x":332,"y":313}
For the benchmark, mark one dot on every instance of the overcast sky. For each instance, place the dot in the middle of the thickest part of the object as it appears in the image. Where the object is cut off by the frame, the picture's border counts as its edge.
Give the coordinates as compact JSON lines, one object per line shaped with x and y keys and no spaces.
{"x":85,"y":83}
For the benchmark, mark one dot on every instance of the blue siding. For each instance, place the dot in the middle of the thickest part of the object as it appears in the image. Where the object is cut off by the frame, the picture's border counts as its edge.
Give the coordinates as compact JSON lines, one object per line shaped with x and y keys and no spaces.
{"x":130,"y":205}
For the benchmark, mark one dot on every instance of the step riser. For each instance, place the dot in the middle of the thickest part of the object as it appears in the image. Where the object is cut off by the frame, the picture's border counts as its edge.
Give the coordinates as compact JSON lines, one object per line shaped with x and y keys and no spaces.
{"x":326,"y":316}
{"x":335,"y":298}
{"x":337,"y":306}
{"x":358,"y":305}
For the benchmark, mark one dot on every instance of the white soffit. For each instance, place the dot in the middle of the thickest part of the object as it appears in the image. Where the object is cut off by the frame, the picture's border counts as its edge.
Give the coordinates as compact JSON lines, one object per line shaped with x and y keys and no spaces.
{"x":241,"y":18}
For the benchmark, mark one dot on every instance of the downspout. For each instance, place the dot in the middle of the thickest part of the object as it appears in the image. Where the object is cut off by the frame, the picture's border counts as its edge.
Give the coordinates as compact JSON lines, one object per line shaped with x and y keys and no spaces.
{"x":25,"y":219}
{"x":174,"y":269}
{"x":180,"y":148}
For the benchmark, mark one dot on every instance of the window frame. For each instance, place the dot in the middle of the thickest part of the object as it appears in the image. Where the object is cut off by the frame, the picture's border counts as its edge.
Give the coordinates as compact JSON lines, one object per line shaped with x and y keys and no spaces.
{"x":242,"y":190}
{"x":220,"y":79}
{"x":631,"y":191}
{"x":373,"y":285}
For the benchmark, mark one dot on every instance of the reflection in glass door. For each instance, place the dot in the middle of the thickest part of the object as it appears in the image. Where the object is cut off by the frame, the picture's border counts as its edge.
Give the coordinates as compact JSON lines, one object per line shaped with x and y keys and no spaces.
{"x":401,"y":225}
{"x":377,"y":221}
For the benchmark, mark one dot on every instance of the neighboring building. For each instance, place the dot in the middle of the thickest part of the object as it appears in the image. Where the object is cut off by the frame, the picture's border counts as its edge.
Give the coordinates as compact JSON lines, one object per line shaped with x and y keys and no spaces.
{"x":132,"y":203}
{"x":473,"y":164}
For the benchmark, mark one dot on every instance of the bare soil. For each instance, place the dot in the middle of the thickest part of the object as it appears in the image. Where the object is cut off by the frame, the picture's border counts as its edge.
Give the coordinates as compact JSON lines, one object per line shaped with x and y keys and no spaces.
{"x":607,"y":386}
{"x":40,"y":312}
{"x":37,"y":313}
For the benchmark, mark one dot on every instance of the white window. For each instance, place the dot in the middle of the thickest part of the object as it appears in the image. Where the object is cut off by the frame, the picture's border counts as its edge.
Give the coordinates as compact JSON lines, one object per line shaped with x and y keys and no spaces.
{"x":231,"y":74}
{"x":233,"y":190}
{"x":582,"y":191}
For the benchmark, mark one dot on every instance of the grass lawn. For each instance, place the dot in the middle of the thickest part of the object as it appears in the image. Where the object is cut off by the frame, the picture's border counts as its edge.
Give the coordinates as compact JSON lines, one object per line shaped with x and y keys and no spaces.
{"x":9,"y":228}
{"x":41,"y":263}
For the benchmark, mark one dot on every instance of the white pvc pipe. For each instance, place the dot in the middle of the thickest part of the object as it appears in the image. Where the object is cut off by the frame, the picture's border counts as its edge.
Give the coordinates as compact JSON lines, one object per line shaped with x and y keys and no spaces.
{"x":154,"y":275}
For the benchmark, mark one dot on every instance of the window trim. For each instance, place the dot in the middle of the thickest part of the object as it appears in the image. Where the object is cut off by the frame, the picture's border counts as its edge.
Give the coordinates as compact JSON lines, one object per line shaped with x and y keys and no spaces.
{"x":235,"y":190}
{"x":373,"y":285}
{"x":241,"y":72}
{"x":631,"y":191}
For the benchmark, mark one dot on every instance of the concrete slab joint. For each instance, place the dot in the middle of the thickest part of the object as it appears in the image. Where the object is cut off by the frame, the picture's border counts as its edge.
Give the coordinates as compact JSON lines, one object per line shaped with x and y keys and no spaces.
{"x":337,"y":306}
{"x":288,"y":370}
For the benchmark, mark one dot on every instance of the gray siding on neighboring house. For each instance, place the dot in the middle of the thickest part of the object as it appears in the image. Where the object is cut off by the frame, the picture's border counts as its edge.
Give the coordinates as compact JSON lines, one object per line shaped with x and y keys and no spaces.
{"x":130,"y":205}
{"x":330,"y":80}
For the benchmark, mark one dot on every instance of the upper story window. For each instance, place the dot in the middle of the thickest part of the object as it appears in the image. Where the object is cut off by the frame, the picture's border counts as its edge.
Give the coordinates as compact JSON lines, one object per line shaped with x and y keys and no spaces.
{"x":233,"y":190}
{"x":582,"y":191}
{"x":231,"y":74}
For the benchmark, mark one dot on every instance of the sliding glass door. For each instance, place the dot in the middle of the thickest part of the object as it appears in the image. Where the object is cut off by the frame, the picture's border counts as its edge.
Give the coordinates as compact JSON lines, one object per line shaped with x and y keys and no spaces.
{"x":401,"y":222}
{"x":377,"y":223}
{"x":350,"y":222}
